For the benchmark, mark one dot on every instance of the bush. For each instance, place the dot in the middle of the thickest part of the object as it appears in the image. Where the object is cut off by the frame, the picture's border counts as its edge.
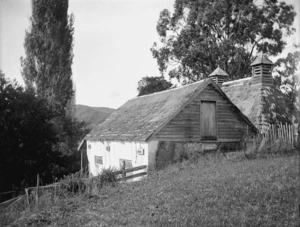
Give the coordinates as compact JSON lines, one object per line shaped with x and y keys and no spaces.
{"x":80,"y":183}
{"x":74,"y":183}
{"x":107,"y":177}
{"x":191,"y":152}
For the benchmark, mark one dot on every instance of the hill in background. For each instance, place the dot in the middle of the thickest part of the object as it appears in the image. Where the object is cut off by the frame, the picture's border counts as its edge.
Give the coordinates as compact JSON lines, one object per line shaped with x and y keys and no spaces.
{"x":92,"y":115}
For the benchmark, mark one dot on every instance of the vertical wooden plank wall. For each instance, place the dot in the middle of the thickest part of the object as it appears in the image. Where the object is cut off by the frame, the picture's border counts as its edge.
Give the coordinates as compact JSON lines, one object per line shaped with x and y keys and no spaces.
{"x":186,"y":125}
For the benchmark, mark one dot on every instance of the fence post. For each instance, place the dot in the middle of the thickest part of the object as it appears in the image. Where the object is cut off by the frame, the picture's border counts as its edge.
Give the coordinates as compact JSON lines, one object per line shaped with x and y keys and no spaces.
{"x":27,"y":197}
{"x":280,"y":132}
{"x":286,"y":132}
{"x":123,"y":173}
{"x":295,"y":134}
{"x":37,"y":189}
{"x":291,"y":137}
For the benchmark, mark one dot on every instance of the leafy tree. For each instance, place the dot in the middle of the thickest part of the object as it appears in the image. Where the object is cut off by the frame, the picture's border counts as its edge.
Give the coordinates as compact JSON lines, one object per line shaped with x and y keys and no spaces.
{"x":148,"y":85}
{"x":70,"y":132}
{"x":200,"y":35}
{"x":49,"y":53}
{"x":47,"y":70}
{"x":27,"y":137}
{"x":287,"y":78}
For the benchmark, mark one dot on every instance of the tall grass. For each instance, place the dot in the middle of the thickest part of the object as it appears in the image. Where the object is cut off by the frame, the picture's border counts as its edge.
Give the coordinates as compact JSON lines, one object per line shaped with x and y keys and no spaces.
{"x":259,"y":146}
{"x":214,"y":191}
{"x":73,"y":185}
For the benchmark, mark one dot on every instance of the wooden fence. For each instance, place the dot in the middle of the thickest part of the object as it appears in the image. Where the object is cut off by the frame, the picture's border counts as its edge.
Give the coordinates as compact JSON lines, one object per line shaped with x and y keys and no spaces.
{"x":284,"y":133}
{"x":36,"y":191}
{"x":124,"y":171}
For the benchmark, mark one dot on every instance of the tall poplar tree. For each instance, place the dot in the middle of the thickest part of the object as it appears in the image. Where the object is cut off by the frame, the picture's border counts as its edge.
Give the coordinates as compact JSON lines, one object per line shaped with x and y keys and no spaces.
{"x":49,"y":53}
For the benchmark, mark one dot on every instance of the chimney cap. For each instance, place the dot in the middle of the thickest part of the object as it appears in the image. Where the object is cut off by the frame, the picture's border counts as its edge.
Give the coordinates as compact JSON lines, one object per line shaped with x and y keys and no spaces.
{"x":218,"y":72}
{"x":262,"y":59}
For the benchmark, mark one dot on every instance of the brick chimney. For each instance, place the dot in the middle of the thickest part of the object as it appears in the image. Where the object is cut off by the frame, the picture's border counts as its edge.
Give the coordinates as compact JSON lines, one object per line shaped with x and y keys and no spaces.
{"x":262,"y":71}
{"x":219,"y":76}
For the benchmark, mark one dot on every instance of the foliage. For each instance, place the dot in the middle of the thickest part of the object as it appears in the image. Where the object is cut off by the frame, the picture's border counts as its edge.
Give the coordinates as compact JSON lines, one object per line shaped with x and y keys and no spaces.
{"x":258,"y":146}
{"x":82,"y":183}
{"x":200,"y":35}
{"x":212,"y":192}
{"x":107,"y":177}
{"x":49,"y":53}
{"x":69,"y":131}
{"x":46,"y":69}
{"x":73,"y":183}
{"x":27,"y":137}
{"x":287,"y":78}
{"x":149,"y":85}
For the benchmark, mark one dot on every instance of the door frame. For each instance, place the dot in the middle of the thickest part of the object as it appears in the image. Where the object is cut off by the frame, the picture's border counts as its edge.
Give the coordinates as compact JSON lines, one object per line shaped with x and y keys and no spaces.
{"x":216,"y":119}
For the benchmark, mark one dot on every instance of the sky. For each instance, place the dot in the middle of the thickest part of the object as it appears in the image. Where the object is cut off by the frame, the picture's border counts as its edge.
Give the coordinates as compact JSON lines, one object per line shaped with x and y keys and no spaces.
{"x":112,"y":42}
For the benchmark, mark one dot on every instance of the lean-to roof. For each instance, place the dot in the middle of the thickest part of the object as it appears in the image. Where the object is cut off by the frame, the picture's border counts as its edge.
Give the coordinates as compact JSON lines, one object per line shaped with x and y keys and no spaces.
{"x":256,"y":102}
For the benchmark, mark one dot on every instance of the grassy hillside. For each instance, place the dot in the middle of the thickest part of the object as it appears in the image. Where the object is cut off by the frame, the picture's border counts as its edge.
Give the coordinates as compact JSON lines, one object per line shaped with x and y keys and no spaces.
{"x":92,"y":115}
{"x":211,"y":192}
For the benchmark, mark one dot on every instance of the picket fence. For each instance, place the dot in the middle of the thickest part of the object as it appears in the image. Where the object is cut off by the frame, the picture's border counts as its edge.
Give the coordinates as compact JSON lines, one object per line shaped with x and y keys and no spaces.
{"x":284,"y":133}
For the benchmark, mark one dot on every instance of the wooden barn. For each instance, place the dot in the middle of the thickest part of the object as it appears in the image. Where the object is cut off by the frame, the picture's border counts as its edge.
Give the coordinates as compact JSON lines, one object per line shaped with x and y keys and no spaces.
{"x":139,"y":130}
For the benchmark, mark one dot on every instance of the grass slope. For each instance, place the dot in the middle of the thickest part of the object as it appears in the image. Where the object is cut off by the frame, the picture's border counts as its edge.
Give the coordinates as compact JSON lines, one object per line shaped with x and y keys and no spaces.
{"x":212,"y":192}
{"x":92,"y":115}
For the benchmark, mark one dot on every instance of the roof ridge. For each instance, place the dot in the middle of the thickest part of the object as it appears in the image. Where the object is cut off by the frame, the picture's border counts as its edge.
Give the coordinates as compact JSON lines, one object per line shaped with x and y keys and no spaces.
{"x":236,"y":81}
{"x":168,"y":90}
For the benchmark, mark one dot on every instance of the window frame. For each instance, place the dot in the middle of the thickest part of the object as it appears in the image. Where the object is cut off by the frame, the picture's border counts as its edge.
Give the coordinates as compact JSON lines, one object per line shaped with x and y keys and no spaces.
{"x":209,"y":138}
{"x":97,"y":157}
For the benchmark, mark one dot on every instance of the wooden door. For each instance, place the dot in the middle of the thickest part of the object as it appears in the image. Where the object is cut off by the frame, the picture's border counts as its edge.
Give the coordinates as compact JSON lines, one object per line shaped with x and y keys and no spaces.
{"x":208,"y":121}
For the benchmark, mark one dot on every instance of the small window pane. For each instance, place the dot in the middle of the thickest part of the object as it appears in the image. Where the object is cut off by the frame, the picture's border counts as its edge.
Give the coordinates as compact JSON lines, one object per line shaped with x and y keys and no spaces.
{"x":98,"y":160}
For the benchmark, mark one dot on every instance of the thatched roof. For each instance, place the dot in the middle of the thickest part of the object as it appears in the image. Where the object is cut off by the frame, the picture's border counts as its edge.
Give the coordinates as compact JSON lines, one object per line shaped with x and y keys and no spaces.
{"x":139,"y":117}
{"x":257,"y":102}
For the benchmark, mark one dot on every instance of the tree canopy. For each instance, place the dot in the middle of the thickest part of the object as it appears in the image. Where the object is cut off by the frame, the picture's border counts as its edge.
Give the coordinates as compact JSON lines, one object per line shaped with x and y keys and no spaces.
{"x":27,"y":137}
{"x":200,"y":35}
{"x":148,"y":85}
{"x":46,"y":70}
{"x":49,"y":52}
{"x":287,"y":79}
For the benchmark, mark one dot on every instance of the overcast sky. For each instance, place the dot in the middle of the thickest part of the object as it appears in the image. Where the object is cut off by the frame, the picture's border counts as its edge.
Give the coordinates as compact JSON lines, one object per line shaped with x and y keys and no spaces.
{"x":112,"y":44}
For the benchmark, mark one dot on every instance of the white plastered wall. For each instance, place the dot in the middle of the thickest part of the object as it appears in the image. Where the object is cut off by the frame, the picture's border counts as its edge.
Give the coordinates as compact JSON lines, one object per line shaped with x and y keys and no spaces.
{"x":118,"y":150}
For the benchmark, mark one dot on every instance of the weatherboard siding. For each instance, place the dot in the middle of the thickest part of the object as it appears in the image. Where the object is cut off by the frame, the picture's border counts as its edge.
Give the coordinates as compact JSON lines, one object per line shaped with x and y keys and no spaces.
{"x":230,"y":124}
{"x":185,"y":126}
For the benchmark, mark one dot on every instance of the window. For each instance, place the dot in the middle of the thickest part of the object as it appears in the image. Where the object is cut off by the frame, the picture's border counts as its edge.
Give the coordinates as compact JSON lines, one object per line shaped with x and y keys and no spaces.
{"x":98,"y":160}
